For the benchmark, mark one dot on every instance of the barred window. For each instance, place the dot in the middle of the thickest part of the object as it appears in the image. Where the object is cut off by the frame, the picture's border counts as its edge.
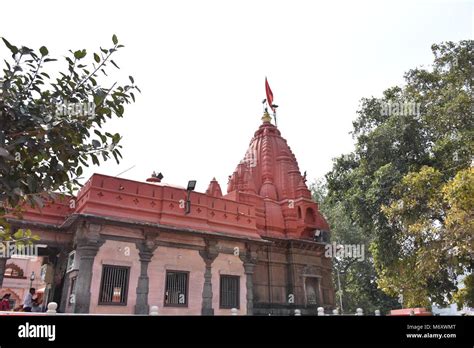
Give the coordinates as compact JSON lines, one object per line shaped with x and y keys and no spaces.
{"x":229,"y":291}
{"x":114,"y":285}
{"x":176,"y":290}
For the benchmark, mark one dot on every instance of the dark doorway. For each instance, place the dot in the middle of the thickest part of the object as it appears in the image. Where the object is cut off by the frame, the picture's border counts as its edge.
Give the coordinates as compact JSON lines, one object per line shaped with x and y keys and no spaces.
{"x":312,"y":291}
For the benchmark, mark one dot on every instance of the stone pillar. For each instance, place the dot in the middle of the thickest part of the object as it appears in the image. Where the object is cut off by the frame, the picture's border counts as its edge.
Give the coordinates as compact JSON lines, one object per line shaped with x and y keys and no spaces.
{"x":209,"y":254}
{"x":291,"y":281}
{"x":3,"y":263}
{"x":145,"y":252}
{"x":249,"y":269}
{"x":88,"y":243}
{"x":60,"y":264}
{"x":249,"y":259}
{"x":64,"y":294}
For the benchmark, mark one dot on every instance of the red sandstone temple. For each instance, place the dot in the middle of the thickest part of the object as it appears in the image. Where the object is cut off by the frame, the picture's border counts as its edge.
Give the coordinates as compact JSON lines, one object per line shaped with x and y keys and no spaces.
{"x":122,"y":246}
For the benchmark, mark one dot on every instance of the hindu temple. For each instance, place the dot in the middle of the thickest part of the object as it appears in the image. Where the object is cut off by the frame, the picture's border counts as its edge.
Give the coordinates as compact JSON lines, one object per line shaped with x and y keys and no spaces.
{"x":122,"y":246}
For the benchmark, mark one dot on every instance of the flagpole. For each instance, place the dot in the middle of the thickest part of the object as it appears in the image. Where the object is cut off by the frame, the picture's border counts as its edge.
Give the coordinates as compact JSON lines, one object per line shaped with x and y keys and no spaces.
{"x":269,"y":99}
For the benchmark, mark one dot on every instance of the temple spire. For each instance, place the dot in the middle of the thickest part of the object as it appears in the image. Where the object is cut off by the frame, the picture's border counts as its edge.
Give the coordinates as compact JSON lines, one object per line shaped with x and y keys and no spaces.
{"x":266,"y":118}
{"x":214,"y":189}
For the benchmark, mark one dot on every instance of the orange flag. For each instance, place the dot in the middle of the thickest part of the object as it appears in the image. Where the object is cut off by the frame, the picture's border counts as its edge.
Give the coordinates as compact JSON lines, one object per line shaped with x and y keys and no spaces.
{"x":269,"y":94}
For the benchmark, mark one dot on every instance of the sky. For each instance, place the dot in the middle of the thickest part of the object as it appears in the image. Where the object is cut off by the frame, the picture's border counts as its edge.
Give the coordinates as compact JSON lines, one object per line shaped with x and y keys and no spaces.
{"x":201,"y":66}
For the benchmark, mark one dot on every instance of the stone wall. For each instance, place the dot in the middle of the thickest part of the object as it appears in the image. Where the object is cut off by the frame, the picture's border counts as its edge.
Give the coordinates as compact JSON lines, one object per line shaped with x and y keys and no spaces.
{"x":175,"y":259}
{"x":118,"y":254}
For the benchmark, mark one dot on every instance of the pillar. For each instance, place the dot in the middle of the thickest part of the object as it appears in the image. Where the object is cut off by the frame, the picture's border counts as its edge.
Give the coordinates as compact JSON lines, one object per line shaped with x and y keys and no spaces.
{"x":249,"y":270}
{"x":62,"y":279}
{"x":64,"y":301}
{"x":3,"y":263}
{"x":145,"y":251}
{"x":291,"y":281}
{"x":209,"y":254}
{"x":60,"y":264}
{"x":88,"y":243}
{"x":249,"y":259}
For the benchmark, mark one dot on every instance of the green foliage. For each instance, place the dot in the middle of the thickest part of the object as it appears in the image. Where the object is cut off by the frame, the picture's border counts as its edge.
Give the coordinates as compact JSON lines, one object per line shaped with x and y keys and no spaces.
{"x":357,"y":278}
{"x":465,"y":296}
{"x":50,"y":127}
{"x":436,"y":220}
{"x":407,"y":183}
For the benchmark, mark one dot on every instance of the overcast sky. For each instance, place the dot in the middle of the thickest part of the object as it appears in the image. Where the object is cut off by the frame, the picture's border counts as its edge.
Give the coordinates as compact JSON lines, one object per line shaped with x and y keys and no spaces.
{"x":201,"y":66}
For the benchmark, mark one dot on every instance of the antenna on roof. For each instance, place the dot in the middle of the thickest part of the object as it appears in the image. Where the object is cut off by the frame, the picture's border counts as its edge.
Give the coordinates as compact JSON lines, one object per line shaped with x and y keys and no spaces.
{"x":125,"y":170}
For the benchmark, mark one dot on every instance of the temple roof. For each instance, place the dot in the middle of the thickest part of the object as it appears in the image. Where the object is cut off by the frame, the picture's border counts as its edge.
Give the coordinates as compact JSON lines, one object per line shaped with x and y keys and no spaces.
{"x":269,"y":167}
{"x":266,"y":197}
{"x":269,"y":171}
{"x":214,"y":189}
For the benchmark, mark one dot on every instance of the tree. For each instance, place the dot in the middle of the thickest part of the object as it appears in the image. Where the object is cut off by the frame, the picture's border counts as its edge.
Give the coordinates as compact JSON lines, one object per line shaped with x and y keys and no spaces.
{"x":357,"y":278}
{"x":436,"y":222}
{"x":50,"y":127}
{"x":407,"y":182}
{"x":465,"y":296}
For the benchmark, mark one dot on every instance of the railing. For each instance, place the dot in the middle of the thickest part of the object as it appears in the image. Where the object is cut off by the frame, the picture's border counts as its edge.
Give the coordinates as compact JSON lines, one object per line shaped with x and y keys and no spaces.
{"x":321,"y":313}
{"x":52,"y":310}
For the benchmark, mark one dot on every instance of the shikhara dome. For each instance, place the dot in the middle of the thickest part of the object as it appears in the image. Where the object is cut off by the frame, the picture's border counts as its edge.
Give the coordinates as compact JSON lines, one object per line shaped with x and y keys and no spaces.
{"x":269,"y":177}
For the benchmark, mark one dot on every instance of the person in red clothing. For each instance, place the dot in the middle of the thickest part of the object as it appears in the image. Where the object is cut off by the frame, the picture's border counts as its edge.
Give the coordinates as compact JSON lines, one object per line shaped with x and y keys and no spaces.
{"x":5,"y":303}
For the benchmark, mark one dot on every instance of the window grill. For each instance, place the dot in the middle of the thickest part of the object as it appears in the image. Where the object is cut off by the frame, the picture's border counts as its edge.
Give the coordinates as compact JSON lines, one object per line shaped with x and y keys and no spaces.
{"x":229,"y":291}
{"x":176,"y":290}
{"x":114,"y":285}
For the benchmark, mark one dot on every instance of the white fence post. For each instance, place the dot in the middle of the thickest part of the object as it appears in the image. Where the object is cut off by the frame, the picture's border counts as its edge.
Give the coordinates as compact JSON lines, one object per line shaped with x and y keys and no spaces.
{"x":52,"y":306}
{"x":321,"y":311}
{"x":234,"y":311}
{"x":297,"y":313}
{"x":377,"y":313}
{"x":154,"y":310}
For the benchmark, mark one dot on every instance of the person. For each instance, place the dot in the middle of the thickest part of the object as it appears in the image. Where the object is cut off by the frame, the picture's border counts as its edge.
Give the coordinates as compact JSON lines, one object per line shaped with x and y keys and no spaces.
{"x":28,"y":301}
{"x":36,"y":304}
{"x":5,"y":303}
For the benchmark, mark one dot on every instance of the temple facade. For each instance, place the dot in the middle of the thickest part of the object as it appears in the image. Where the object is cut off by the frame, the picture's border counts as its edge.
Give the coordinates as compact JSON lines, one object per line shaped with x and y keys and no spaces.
{"x":121,"y":246}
